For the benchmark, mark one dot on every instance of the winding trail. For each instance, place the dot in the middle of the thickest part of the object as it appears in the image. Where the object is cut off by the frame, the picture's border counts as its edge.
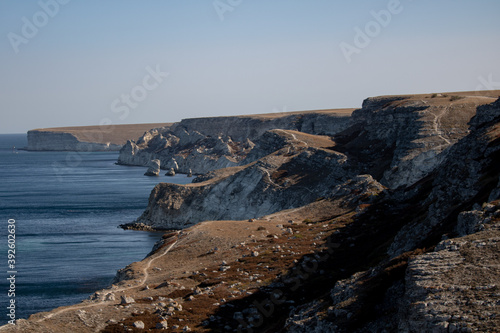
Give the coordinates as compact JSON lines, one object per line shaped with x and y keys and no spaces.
{"x":294,"y":137}
{"x":436,"y":125}
{"x":114,"y":291}
{"x":269,"y":176}
{"x":144,"y":271}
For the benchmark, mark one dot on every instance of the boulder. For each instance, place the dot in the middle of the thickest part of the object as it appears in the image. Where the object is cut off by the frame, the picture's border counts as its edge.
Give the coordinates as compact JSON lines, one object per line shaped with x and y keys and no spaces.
{"x":139,"y":324}
{"x":171,"y":172}
{"x":126,"y":300}
{"x":154,"y":168}
{"x":162,"y":325}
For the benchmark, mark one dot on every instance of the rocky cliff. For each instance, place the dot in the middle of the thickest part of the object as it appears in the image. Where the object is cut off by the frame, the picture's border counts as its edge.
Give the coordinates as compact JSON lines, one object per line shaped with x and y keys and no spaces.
{"x":302,"y":170}
{"x":388,"y":223}
{"x":61,"y":141}
{"x":437,"y":157}
{"x":397,"y":140}
{"x":206,"y":144}
{"x":453,"y":287}
{"x":86,"y":138}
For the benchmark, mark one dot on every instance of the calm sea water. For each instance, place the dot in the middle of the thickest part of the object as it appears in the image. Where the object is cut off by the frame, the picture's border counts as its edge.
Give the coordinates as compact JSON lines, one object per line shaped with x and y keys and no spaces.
{"x":67,"y":207}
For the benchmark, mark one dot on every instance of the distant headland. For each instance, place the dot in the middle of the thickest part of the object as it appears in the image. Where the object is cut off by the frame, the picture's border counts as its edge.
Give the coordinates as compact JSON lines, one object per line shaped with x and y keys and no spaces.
{"x":86,"y":138}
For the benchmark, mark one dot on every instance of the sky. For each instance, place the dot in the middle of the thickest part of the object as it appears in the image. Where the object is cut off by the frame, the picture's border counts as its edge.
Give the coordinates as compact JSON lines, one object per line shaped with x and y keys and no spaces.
{"x":90,"y":62}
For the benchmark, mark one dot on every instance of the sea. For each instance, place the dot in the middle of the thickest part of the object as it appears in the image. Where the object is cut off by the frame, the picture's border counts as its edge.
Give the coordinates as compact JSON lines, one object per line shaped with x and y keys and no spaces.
{"x":65,"y":208}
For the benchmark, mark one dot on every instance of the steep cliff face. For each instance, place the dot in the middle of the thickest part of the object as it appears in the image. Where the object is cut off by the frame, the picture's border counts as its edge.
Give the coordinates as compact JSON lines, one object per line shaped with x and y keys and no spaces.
{"x":400,"y":140}
{"x":86,"y":138}
{"x":206,"y":144}
{"x":469,"y":175}
{"x":60,"y":141}
{"x":450,"y":289}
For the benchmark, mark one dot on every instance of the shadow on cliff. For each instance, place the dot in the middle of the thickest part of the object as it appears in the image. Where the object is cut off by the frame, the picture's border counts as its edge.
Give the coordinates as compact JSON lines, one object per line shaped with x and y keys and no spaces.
{"x":373,"y":155}
{"x":361,"y":245}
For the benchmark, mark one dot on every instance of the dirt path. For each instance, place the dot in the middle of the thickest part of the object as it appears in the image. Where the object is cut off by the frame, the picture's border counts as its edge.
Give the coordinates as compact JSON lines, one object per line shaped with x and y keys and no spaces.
{"x":436,"y":125}
{"x":80,"y":306}
{"x":294,"y":137}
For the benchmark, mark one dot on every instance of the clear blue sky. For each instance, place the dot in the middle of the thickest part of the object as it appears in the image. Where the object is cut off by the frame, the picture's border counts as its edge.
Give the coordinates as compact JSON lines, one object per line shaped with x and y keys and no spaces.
{"x":249,"y":56}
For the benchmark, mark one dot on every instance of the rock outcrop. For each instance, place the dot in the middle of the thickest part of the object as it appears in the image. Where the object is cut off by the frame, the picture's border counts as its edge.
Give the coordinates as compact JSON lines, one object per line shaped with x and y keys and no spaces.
{"x":397,"y":140}
{"x":455,"y":288}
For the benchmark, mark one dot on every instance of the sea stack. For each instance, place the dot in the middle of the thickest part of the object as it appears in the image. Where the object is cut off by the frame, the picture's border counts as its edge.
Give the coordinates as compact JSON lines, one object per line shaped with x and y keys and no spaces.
{"x":154,"y":168}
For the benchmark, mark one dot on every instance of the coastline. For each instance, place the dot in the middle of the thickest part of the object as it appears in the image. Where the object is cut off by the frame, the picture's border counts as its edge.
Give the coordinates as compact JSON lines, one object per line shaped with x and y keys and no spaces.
{"x":356,"y":235}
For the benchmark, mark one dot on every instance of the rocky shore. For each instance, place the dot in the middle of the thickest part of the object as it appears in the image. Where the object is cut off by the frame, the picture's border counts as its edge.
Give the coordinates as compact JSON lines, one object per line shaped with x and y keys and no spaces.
{"x":386,"y":220}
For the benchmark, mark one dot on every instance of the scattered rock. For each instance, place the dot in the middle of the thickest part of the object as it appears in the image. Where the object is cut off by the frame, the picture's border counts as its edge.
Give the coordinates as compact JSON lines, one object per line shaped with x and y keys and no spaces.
{"x":110,"y":297}
{"x":162,"y":325}
{"x":139,"y":324}
{"x":126,"y":300}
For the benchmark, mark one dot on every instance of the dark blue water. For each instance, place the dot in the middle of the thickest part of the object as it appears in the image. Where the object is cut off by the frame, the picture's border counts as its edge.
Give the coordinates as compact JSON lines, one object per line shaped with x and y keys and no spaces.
{"x":66,"y":208}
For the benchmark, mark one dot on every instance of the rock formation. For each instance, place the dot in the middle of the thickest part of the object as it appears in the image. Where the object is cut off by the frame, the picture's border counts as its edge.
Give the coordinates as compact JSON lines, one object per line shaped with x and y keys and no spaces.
{"x":154,"y":168}
{"x":264,"y":186}
{"x":205,"y":144}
